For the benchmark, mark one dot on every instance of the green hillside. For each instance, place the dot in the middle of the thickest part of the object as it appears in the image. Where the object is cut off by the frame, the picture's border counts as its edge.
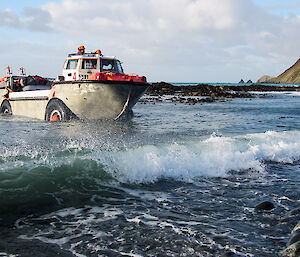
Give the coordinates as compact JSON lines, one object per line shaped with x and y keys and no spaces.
{"x":291,"y":75}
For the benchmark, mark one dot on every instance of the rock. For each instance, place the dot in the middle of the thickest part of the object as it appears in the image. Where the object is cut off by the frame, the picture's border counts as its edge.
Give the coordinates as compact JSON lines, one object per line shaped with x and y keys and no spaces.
{"x":295,"y":237}
{"x":249,"y":81}
{"x":265,"y":206}
{"x":292,"y":251}
{"x":242,"y":81}
{"x":293,"y":245}
{"x":296,"y":227}
{"x":214,"y":92}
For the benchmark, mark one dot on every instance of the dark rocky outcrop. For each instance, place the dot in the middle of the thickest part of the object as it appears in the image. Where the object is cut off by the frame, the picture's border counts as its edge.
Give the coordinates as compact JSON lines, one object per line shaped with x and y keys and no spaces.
{"x":293,"y":245}
{"x":265,"y":206}
{"x":242,"y":81}
{"x":163,"y":88}
{"x":192,"y":94}
{"x":295,"y":237}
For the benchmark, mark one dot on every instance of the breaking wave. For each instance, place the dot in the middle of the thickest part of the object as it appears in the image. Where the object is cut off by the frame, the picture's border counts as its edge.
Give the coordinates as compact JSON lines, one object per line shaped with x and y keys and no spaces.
{"x":214,"y":156}
{"x":41,"y":178}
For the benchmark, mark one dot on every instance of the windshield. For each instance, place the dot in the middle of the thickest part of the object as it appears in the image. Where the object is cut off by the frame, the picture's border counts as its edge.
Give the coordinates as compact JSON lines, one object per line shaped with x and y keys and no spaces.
{"x":119,"y":67}
{"x":111,"y":65}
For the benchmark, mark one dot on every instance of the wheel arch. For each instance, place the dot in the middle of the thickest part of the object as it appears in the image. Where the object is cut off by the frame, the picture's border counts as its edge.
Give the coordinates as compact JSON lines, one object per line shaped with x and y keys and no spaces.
{"x":56,"y":100}
{"x":59,"y":101}
{"x":5,"y":101}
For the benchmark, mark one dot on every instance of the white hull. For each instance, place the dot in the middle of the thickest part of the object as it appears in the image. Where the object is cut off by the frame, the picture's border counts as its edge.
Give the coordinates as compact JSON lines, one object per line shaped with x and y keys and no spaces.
{"x":84,"y":99}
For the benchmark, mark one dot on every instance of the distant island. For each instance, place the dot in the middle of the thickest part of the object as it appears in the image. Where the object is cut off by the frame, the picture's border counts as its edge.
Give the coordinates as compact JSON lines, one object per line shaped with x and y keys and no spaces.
{"x":243,"y":82}
{"x":290,"y":76}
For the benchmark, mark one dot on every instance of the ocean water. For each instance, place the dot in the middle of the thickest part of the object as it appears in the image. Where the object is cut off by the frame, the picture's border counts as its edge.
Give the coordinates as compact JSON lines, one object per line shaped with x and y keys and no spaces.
{"x":176,"y":180}
{"x":230,"y":84}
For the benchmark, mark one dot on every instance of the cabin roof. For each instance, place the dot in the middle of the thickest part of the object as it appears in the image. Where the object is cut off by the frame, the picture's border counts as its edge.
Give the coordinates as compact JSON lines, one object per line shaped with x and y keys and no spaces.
{"x":88,"y":55}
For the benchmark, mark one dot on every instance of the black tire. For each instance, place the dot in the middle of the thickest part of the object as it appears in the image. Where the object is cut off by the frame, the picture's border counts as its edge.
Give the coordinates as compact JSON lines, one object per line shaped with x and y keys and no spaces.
{"x":57,"y":111}
{"x":6,"y":108}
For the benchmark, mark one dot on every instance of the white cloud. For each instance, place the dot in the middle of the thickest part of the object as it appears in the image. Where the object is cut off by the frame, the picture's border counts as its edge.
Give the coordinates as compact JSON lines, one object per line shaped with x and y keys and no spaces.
{"x":141,"y":16}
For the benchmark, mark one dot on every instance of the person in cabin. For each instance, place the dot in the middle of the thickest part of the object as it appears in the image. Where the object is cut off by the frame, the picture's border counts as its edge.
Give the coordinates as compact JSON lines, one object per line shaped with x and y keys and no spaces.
{"x":81,"y":50}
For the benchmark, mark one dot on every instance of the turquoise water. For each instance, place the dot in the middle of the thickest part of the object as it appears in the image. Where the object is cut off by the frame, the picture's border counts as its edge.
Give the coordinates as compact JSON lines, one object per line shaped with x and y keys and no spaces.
{"x":177,"y":180}
{"x":229,"y":84}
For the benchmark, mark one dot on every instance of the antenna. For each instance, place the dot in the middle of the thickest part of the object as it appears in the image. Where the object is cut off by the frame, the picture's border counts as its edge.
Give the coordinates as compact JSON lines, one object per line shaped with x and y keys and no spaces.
{"x":22,"y":71}
{"x":9,"y":72}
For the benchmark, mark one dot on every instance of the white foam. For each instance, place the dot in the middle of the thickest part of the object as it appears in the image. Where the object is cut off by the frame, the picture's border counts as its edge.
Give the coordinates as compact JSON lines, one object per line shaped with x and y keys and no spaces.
{"x":290,"y":93}
{"x":277,"y":146}
{"x":215,"y":156}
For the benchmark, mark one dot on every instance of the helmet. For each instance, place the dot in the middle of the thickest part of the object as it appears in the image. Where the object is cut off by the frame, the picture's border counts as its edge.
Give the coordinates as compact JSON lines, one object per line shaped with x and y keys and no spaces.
{"x":81,"y":48}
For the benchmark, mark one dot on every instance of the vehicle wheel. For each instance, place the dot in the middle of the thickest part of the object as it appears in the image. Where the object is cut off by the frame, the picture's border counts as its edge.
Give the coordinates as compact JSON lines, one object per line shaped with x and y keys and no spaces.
{"x":6,"y":108}
{"x":57,"y":111}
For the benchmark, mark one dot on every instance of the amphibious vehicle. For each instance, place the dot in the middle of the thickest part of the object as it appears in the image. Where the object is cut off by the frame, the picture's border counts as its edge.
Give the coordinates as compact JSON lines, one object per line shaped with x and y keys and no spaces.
{"x":92,"y":86}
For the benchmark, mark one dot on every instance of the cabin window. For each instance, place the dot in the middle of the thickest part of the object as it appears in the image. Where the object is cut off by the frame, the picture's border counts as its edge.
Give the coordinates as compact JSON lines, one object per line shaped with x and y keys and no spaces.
{"x":119,"y":67}
{"x":108,"y":65}
{"x":72,"y":64}
{"x":88,"y":64}
{"x":111,"y":65}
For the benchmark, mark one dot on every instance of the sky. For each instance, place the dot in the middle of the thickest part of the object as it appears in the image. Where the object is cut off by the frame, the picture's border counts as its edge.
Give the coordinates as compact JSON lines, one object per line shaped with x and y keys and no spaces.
{"x":165,"y":40}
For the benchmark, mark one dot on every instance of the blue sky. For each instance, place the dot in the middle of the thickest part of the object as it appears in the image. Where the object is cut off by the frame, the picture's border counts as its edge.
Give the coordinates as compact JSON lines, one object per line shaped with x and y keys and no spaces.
{"x":18,"y":5}
{"x":178,"y":40}
{"x":286,"y":5}
{"x":281,"y":7}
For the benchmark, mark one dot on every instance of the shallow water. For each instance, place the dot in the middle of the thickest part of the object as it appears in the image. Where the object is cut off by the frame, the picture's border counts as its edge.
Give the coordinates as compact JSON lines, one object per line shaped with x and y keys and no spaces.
{"x":178,"y":180}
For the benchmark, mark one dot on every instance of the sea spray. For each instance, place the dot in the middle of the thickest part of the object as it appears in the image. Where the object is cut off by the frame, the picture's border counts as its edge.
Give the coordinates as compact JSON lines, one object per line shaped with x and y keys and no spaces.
{"x":214,"y":156}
